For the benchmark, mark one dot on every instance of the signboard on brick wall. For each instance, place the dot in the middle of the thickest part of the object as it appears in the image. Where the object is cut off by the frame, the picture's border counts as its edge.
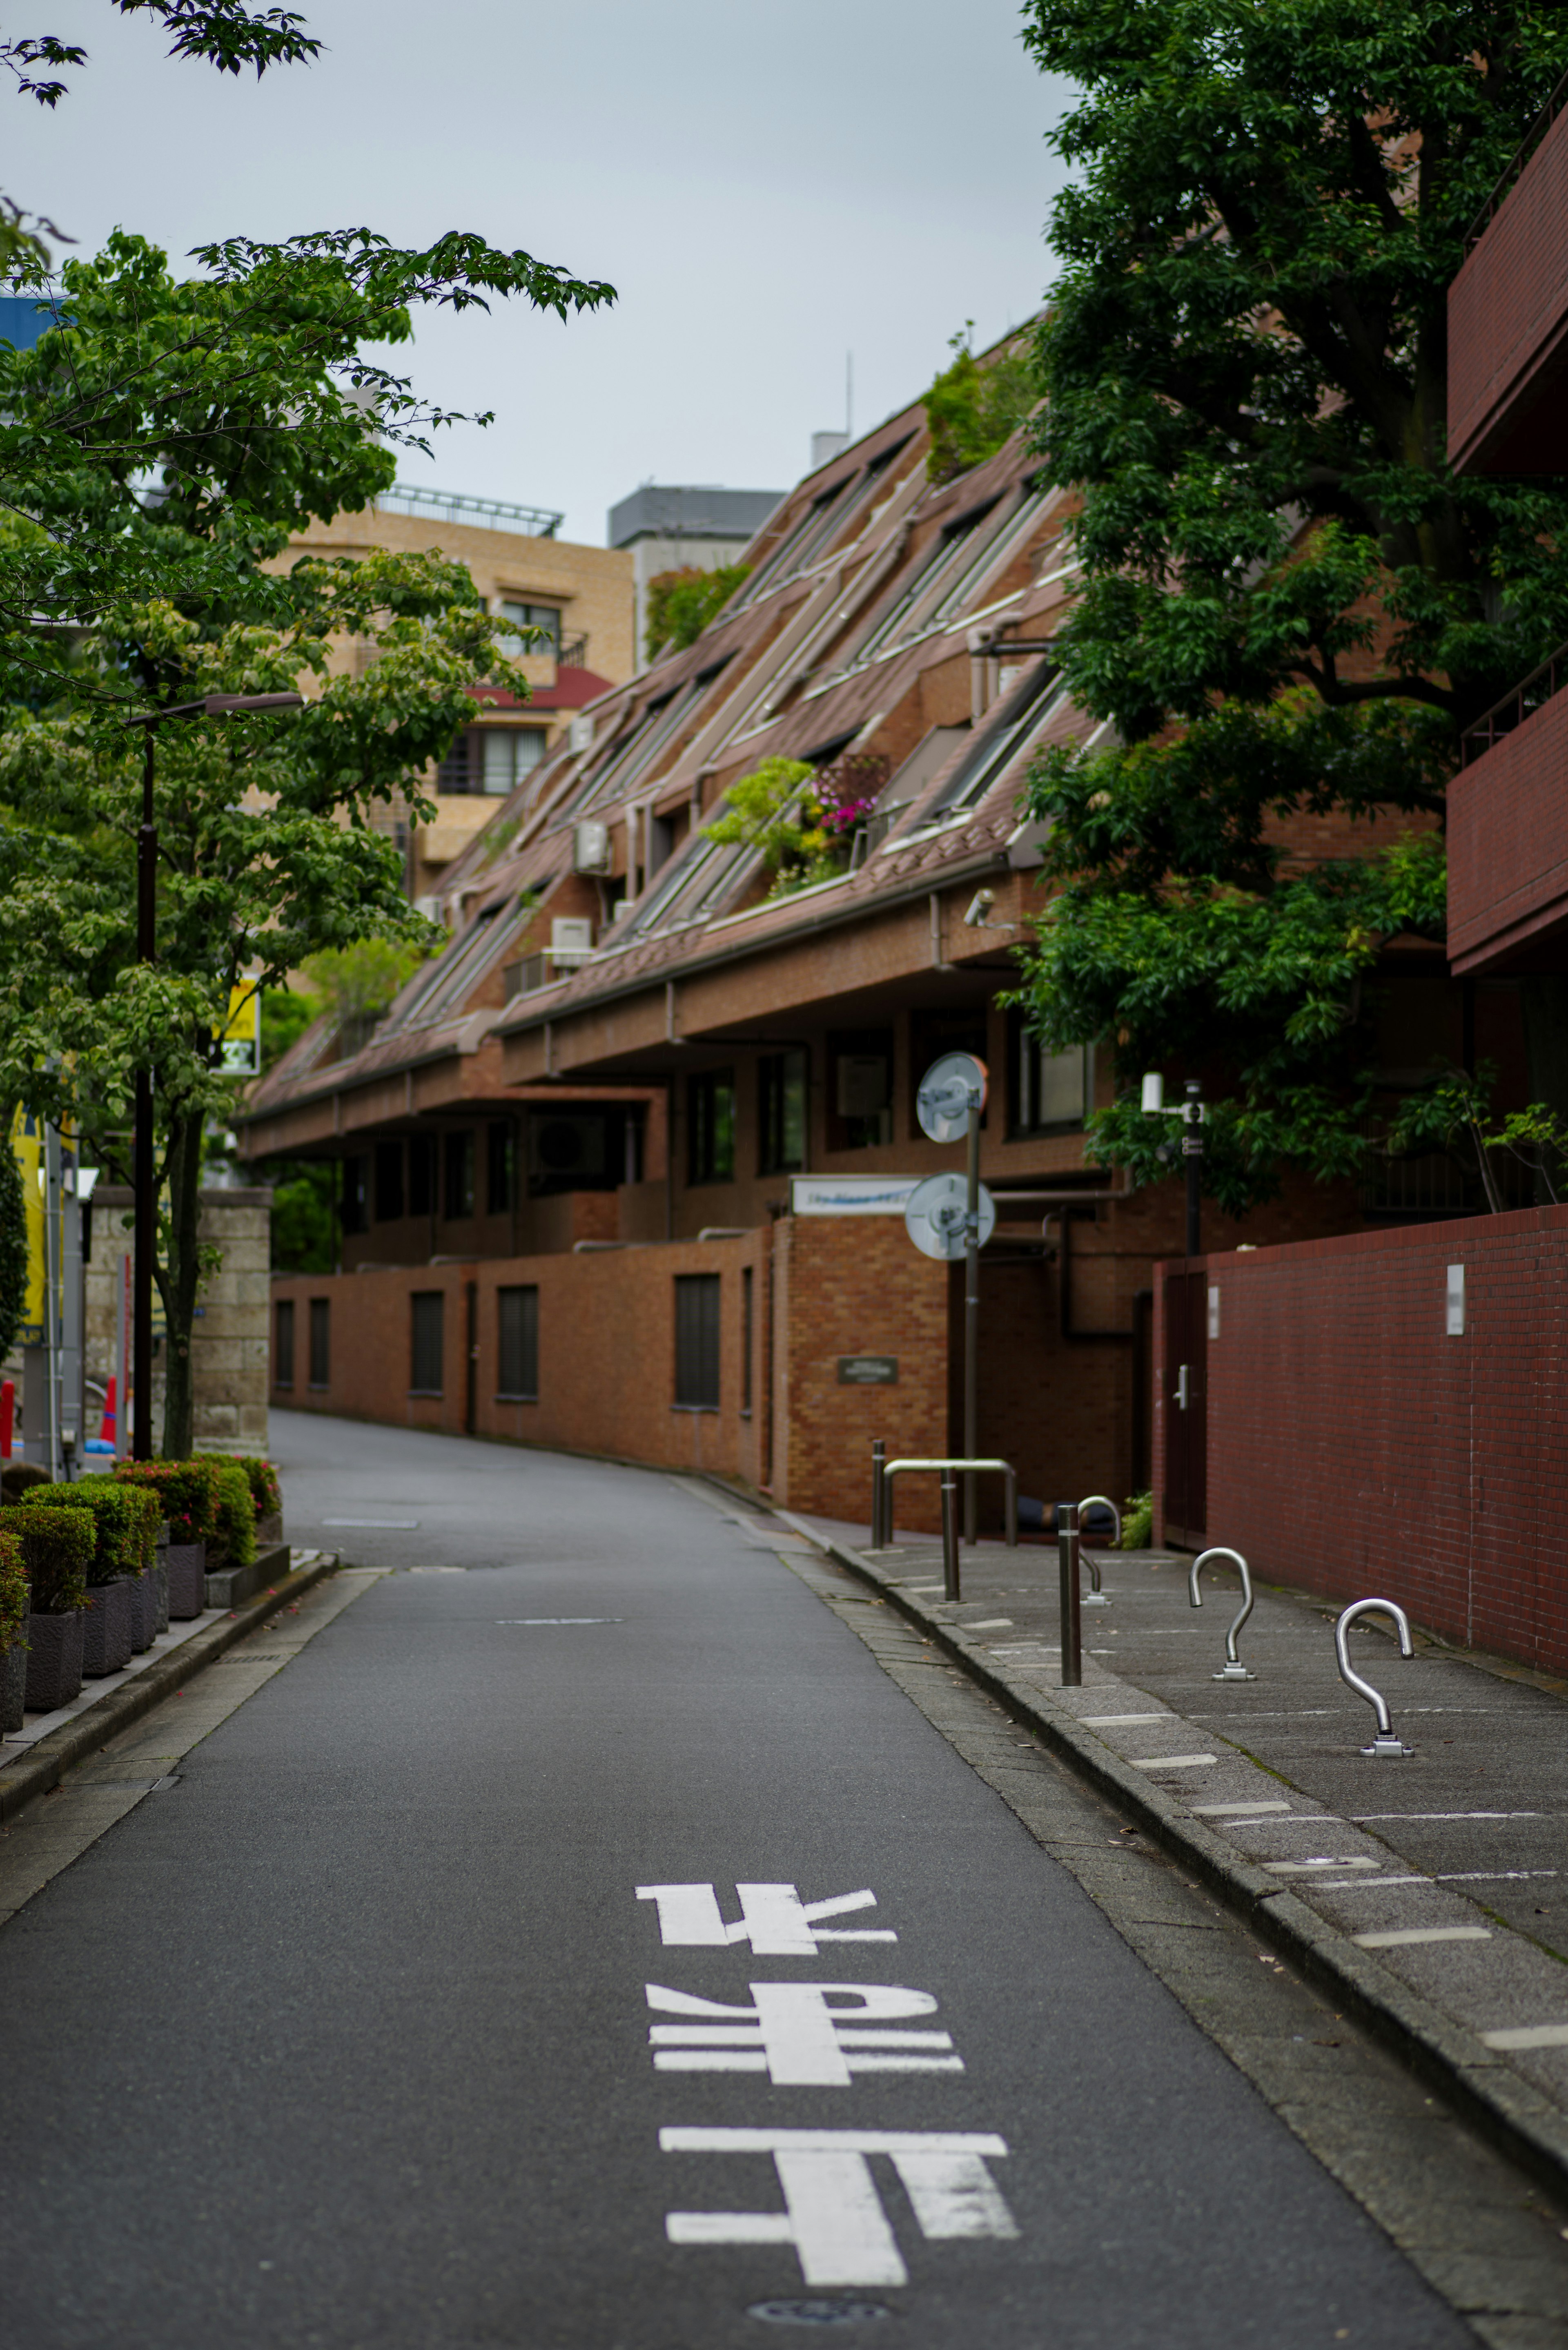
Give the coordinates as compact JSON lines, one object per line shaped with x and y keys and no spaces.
{"x":867,"y":1370}
{"x":850,"y":1195}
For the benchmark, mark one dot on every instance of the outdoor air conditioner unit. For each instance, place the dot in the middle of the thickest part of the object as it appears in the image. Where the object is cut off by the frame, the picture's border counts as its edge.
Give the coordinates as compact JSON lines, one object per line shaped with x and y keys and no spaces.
{"x":571,"y":939}
{"x":591,"y":848}
{"x":582,"y":734}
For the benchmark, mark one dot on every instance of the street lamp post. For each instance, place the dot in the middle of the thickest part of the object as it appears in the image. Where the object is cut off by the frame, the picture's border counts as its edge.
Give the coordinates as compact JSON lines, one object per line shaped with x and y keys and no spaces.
{"x":212,"y":705}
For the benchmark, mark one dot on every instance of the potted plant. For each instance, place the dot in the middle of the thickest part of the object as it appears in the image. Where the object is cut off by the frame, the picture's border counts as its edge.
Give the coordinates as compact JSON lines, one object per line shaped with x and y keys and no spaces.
{"x":267,"y":1495}
{"x":15,"y":1607}
{"x":57,"y":1546}
{"x":125,"y":1543}
{"x":187,"y":1494}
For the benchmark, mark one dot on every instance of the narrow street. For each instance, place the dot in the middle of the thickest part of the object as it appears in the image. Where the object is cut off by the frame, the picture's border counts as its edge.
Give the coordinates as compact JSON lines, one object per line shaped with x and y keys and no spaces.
{"x":342,"y":2039}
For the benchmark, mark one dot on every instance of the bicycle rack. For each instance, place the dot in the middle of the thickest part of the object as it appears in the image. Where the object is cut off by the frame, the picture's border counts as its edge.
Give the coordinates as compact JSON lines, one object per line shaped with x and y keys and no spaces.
{"x":1385,"y":1742}
{"x":1097,"y":1598}
{"x":884,"y":1470}
{"x":1235,"y":1670}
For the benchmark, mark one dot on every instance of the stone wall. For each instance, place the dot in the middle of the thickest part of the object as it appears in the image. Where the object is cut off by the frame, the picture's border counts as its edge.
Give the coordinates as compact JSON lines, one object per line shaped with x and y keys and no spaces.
{"x":230,"y":1339}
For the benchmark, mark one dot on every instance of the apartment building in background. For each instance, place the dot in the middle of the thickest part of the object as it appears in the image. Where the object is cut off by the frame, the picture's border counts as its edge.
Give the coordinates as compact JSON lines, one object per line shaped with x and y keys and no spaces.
{"x":624,"y":1168}
{"x":580,"y":596}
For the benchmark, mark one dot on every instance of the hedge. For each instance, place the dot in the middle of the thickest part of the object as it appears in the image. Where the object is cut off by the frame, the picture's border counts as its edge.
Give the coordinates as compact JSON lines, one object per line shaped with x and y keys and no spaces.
{"x":235,"y":1543}
{"x":126,"y":1519}
{"x":13,"y":1591}
{"x":57,"y":1548}
{"x":187,"y":1493}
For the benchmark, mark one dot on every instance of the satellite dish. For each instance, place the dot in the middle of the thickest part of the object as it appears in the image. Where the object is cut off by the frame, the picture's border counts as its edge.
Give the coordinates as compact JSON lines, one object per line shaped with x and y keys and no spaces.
{"x":935,"y":1210}
{"x":943,"y":1101}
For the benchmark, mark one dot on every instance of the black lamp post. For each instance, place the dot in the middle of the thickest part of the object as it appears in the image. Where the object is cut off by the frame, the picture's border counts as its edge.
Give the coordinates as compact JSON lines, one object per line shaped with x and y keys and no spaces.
{"x":212,"y":705}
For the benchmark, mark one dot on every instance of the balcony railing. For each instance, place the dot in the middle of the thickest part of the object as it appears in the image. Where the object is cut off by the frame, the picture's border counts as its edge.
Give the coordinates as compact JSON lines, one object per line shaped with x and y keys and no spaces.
{"x":1534,"y":694}
{"x":573,"y":653}
{"x":1511,"y":176}
{"x":495,"y":514}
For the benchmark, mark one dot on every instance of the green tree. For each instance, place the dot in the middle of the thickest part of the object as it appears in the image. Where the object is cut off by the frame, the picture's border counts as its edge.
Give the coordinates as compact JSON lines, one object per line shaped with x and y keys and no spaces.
{"x":975,"y":406}
{"x":1290,"y":607}
{"x":681,"y":603}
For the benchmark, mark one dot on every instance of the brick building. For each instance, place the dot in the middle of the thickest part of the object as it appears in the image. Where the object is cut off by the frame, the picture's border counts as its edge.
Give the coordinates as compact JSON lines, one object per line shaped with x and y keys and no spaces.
{"x":631,"y":1156}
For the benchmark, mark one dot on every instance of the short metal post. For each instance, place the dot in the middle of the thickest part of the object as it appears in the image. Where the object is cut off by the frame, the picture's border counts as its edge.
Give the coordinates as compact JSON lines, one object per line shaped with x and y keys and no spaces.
{"x":1010,"y":1503}
{"x":971,"y":1325}
{"x":1067,"y":1553}
{"x":949,"y":1534}
{"x":878,"y":1491}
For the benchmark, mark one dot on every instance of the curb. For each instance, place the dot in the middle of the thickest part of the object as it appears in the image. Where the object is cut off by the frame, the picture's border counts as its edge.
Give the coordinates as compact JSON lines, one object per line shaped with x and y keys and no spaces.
{"x":23,"y":1781}
{"x":1520,"y":2123}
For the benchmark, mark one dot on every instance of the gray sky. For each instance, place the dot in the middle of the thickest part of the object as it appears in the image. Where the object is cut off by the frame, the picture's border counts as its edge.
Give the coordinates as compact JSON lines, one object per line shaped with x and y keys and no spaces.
{"x":767,"y":188}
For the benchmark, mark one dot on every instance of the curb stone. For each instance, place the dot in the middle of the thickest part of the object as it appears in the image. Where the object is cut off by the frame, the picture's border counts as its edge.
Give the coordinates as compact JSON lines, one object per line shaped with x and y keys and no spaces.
{"x":1507,"y":2110}
{"x":21,"y":1782}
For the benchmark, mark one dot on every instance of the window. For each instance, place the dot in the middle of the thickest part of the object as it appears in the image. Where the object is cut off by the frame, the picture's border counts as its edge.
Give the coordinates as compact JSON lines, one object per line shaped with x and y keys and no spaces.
{"x":748,"y":1332}
{"x":1028,"y":710}
{"x":530,"y":615}
{"x":781,"y":1113}
{"x":356,"y":1215}
{"x":321,"y":1342}
{"x":697,"y":1341}
{"x":283,"y":1343}
{"x":506,"y":754}
{"x":421,"y":1174}
{"x":935,"y":569}
{"x":1049,"y":1089}
{"x":426,"y":1308}
{"x":517,"y":1347}
{"x":860,"y":1109}
{"x":711,"y":1128}
{"x":388,"y":1182}
{"x":459,"y":1201}
{"x":500,"y":1158}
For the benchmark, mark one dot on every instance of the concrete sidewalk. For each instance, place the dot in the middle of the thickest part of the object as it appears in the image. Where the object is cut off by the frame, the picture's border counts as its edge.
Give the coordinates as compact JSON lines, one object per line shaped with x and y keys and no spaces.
{"x":1432,"y":1889}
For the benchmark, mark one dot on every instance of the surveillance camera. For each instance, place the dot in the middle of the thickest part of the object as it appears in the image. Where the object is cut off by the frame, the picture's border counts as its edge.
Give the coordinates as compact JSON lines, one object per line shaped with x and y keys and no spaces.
{"x":980,"y":906}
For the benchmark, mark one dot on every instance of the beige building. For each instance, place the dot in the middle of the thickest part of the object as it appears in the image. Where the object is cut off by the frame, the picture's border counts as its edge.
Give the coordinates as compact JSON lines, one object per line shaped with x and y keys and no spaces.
{"x":581,"y":595}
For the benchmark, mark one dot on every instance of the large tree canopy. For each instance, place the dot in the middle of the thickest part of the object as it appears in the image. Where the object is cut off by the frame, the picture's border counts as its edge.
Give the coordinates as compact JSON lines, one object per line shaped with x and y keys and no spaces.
{"x":1290,"y":607}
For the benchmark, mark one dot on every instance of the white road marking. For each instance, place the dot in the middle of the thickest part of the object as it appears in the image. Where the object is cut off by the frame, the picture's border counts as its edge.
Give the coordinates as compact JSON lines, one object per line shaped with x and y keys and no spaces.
{"x":1295,"y":1867}
{"x":526,"y":1620}
{"x":1249,"y":1810}
{"x":791,"y":2032}
{"x":992,"y":1624}
{"x":1360,"y":1818}
{"x":1174,"y":1761}
{"x":774,"y":1919}
{"x":1407,"y":1934}
{"x":834,"y":2215}
{"x":387,"y":1525}
{"x":1117,"y":1720}
{"x":1528,"y":2035}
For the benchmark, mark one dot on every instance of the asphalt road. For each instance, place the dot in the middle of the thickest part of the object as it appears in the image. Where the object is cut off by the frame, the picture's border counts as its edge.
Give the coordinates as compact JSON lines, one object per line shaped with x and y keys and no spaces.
{"x":345,"y":2040}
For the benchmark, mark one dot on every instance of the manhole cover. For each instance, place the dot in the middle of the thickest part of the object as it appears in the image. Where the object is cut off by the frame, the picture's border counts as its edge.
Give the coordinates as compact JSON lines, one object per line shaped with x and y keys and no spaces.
{"x":818,"y":2313}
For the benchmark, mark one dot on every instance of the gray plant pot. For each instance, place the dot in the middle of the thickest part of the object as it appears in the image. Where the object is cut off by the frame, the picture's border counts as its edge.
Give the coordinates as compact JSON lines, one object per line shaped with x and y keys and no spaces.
{"x":108,"y":1635}
{"x":143,"y":1612}
{"x":13,"y":1680}
{"x":54,"y":1659}
{"x":158,"y":1577}
{"x":187,"y":1579}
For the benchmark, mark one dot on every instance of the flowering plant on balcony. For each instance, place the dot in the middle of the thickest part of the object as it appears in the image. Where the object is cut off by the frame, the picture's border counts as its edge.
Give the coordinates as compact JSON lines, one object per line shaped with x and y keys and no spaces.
{"x":802,"y":819}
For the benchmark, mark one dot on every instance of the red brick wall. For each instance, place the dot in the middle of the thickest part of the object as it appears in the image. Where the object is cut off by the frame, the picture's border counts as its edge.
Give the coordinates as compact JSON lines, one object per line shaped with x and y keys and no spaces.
{"x":1355,"y":1448}
{"x":1508,"y":840}
{"x":1507,"y":311}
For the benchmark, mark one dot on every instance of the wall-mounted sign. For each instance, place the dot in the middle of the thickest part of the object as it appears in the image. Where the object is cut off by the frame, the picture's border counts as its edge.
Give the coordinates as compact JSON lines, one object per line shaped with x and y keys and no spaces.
{"x":868,"y":1370}
{"x":850,"y":1195}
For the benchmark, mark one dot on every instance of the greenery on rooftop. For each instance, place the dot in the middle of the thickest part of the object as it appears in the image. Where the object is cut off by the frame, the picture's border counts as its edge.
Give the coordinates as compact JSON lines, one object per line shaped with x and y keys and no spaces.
{"x":681,"y":603}
{"x":976,"y":405}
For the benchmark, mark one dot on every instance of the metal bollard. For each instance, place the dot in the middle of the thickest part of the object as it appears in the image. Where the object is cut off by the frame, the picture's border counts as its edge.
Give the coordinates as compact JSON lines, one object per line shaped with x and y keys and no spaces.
{"x":1072,"y":1633}
{"x":1097,"y":1598}
{"x":1385,"y":1742}
{"x":1235,"y":1670}
{"x":878,"y":1492}
{"x":950,"y":1534}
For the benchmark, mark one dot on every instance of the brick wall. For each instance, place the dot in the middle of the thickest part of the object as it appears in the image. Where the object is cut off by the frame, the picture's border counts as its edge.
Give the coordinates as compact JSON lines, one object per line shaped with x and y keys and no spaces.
{"x":1507,"y":311}
{"x":1508,"y":841}
{"x":1356,"y":1447}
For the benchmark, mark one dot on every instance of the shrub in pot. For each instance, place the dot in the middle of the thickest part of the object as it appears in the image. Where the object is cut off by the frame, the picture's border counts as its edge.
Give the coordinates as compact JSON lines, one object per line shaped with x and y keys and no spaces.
{"x":235,"y":1543}
{"x":56,"y":1549}
{"x":266,"y":1493}
{"x":125,"y":1520}
{"x":186,"y":1493}
{"x":15,"y":1607}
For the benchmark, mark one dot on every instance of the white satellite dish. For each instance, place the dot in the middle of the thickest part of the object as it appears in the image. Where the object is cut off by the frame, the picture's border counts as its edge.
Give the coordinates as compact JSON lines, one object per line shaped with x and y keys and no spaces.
{"x":934,"y":1215}
{"x":943,"y":1101}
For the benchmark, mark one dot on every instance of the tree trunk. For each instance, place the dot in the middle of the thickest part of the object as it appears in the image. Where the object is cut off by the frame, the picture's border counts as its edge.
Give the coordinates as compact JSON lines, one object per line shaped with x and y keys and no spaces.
{"x":1543,"y":1001}
{"x":184,"y":1279}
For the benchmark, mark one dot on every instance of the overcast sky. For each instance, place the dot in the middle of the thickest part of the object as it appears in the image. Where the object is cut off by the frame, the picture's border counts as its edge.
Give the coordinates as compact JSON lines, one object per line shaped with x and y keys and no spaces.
{"x":768,"y":188}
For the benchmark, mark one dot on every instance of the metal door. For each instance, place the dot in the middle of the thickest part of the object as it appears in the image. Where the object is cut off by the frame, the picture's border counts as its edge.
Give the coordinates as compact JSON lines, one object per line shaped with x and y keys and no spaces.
{"x":1185,"y":1406}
